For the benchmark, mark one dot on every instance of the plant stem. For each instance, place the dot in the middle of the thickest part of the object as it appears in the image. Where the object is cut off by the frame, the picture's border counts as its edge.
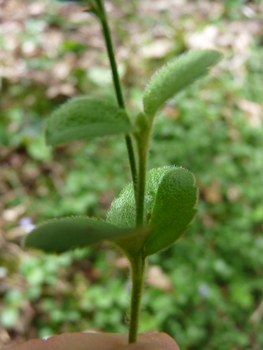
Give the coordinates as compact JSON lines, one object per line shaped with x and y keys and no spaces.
{"x":141,"y":188}
{"x":118,"y":89}
{"x":143,"y":143}
{"x":138,"y":262}
{"x":137,"y":270}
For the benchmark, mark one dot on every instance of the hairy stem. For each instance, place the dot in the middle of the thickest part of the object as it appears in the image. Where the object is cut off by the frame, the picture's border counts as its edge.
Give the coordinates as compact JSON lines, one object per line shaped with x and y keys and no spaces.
{"x":143,"y":143}
{"x":118,"y":89}
{"x":137,"y":270}
{"x":141,"y":188}
{"x":143,"y":139}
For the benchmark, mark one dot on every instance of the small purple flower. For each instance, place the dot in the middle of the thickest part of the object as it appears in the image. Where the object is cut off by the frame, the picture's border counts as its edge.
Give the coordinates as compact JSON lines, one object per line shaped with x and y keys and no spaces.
{"x":25,"y":221}
{"x":204,"y":290}
{"x":27,"y":224}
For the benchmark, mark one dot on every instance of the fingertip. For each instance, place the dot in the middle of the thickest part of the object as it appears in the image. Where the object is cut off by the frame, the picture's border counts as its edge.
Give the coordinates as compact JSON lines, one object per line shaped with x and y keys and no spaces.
{"x":139,"y":346}
{"x":162,"y":339}
{"x":152,"y":340}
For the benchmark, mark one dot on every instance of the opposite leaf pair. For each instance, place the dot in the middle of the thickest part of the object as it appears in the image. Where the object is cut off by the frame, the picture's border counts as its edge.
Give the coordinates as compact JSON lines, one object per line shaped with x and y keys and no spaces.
{"x":169,"y":203}
{"x":155,"y":210}
{"x":170,"y":192}
{"x":83,"y":118}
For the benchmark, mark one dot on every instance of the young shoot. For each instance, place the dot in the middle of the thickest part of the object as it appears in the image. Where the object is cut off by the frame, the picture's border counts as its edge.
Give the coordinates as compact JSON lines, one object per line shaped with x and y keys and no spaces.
{"x":156,"y":208}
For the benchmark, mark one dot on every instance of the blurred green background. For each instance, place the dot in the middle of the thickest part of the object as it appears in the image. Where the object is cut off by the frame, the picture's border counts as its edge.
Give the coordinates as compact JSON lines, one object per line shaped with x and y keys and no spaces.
{"x":207,"y":290}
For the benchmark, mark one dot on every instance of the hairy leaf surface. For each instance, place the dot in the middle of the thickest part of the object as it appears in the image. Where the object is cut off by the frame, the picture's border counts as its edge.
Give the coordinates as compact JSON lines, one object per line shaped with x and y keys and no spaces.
{"x":63,"y":234}
{"x":170,"y":198}
{"x":173,"y":209}
{"x":177,"y":75}
{"x":83,"y":118}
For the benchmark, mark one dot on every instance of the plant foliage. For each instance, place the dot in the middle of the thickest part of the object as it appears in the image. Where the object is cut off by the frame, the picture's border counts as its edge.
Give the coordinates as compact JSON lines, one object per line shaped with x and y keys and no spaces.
{"x":84,"y":118}
{"x":169,"y":201}
{"x":153,"y":211}
{"x":176,"y":76}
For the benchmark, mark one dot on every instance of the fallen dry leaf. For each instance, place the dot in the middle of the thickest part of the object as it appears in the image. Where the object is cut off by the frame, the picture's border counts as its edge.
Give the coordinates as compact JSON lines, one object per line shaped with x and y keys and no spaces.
{"x":158,"y":279}
{"x":157,"y":49}
{"x":253,"y":112}
{"x":63,"y":89}
{"x":212,"y":193}
{"x":14,"y":213}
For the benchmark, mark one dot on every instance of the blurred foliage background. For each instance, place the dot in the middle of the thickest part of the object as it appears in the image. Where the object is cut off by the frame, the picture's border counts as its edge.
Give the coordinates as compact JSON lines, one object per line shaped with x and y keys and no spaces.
{"x":207,"y":290}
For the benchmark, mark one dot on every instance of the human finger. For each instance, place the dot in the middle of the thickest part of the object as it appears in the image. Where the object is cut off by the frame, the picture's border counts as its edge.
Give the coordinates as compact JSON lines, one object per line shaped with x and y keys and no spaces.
{"x":139,"y":346}
{"x":94,"y":341}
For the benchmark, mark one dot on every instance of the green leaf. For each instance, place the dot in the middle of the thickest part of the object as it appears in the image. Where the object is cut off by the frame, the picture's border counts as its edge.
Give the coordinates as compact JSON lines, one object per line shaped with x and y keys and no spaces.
{"x":177,"y":75}
{"x":122,"y":212}
{"x":170,"y":198}
{"x":63,"y":234}
{"x":59,"y":235}
{"x":83,"y":118}
{"x":173,"y":209}
{"x":132,"y":243}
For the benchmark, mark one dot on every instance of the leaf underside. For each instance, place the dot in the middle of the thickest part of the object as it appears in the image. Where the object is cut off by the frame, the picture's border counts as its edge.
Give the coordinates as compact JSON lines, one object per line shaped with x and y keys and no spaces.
{"x":60,"y":235}
{"x":132,"y":243}
{"x":177,"y":75}
{"x":83,"y":118}
{"x":170,"y":198}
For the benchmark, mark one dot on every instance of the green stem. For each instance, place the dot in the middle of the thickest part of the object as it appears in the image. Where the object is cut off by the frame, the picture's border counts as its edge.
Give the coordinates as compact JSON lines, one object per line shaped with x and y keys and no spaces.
{"x":137,"y":269}
{"x":143,"y":143}
{"x":138,"y":262}
{"x":141,"y":188}
{"x":108,"y":41}
{"x":132,"y":160}
{"x":118,"y":89}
